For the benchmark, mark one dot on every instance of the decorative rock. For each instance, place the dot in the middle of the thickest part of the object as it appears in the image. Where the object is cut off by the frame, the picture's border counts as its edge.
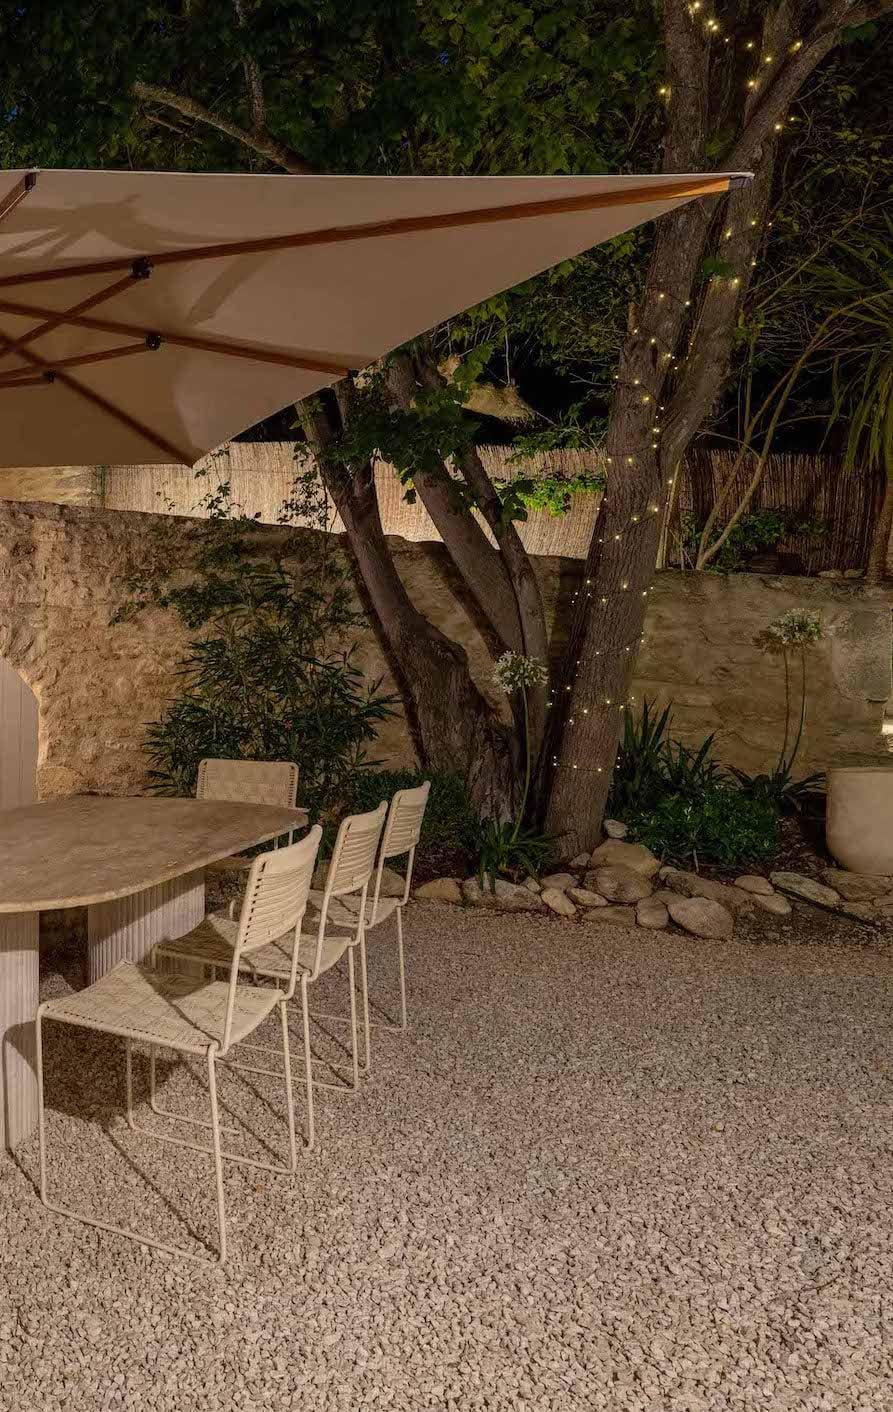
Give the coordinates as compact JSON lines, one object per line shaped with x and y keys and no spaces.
{"x":532,"y":885}
{"x":630,"y":855}
{"x":440,"y":890}
{"x":585,"y":898}
{"x":562,"y":881}
{"x":798,"y":885}
{"x":508,"y":897}
{"x":857,"y":887}
{"x":773,"y":902}
{"x":651,"y":914}
{"x":752,"y":882}
{"x":618,"y":884}
{"x":884,"y":905}
{"x":852,"y":573}
{"x":702,"y":917}
{"x":580,"y":862}
{"x":861,"y":911}
{"x":829,"y":574}
{"x":620,"y":916}
{"x":614,"y":828}
{"x":557,"y":901}
{"x":693,"y":885}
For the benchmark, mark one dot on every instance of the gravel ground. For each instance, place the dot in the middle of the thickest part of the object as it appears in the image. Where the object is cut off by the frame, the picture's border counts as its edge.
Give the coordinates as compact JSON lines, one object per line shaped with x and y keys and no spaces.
{"x":604,"y":1170}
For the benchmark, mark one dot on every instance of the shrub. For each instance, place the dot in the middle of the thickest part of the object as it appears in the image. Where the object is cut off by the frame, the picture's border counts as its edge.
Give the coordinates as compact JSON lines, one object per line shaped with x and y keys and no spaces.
{"x":722,"y":826}
{"x":650,"y":765}
{"x":450,"y":821}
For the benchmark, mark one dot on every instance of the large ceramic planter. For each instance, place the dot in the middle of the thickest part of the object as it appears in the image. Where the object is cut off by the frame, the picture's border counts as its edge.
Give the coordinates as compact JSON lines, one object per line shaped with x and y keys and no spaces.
{"x":859,"y":826}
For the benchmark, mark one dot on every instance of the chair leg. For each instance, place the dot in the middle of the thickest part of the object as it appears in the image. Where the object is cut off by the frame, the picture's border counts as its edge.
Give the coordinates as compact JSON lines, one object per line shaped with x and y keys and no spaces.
{"x":364,"y":986}
{"x":107,"y":1225}
{"x":401,"y":968}
{"x":169,"y":1112}
{"x":354,"y":1042}
{"x":289,"y":1095}
{"x":128,"y":1081}
{"x":308,"y":1063}
{"x":218,"y":1156}
{"x":41,"y":1129}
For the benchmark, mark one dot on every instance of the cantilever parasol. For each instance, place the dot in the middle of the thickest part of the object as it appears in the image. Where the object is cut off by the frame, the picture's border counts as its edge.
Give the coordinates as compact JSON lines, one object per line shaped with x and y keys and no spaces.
{"x":148,"y":317}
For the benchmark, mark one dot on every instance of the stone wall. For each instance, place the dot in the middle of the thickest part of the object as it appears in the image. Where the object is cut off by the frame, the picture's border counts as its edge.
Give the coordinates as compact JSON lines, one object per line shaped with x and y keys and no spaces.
{"x":62,"y":575}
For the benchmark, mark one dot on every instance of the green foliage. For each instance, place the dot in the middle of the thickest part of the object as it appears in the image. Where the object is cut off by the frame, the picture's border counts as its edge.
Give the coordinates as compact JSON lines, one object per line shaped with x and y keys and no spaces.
{"x":505,"y":850}
{"x":450,"y":822}
{"x":270,"y":674}
{"x":721,"y":825}
{"x":650,"y":765}
{"x":781,"y":790}
{"x":554,"y":493}
{"x":680,"y":802}
{"x":756,"y":530}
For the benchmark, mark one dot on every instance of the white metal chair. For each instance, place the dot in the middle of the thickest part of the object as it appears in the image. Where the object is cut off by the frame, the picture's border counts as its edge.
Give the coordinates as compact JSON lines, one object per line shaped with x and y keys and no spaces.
{"x":350,"y":870}
{"x":206,"y":1018}
{"x":401,"y":834}
{"x":247,"y":782}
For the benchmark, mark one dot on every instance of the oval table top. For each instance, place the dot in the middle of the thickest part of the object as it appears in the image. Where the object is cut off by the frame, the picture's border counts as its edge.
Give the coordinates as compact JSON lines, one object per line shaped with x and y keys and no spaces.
{"x":71,"y":852}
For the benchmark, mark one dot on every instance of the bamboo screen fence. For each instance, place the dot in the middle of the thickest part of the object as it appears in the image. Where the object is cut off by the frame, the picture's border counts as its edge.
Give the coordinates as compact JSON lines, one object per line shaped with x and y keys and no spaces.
{"x":260,"y":475}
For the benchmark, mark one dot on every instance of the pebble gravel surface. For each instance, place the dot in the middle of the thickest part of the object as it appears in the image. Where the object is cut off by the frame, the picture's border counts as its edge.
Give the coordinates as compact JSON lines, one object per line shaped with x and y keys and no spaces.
{"x":604,"y":1169}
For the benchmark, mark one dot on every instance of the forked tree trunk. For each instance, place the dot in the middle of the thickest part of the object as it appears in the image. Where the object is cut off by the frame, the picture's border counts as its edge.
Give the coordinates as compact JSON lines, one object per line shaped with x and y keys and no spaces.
{"x":456,"y":730}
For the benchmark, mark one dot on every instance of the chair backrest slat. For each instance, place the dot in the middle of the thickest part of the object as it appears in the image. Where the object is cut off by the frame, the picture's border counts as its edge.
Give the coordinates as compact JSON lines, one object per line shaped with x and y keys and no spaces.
{"x":248,"y":781}
{"x":353,"y":857}
{"x":404,"y":825}
{"x":274,"y":905}
{"x":401,"y":834}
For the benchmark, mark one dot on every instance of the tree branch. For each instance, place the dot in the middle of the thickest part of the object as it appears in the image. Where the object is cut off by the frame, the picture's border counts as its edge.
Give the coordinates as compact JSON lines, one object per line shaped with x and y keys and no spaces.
{"x":789,"y":79}
{"x":260,"y":142}
{"x":253,"y":80}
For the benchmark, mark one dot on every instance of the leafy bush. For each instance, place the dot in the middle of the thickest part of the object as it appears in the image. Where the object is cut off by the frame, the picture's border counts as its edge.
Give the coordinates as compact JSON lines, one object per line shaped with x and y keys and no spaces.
{"x":756,"y":530}
{"x":270,"y":674}
{"x":721,"y":826}
{"x":450,"y":819}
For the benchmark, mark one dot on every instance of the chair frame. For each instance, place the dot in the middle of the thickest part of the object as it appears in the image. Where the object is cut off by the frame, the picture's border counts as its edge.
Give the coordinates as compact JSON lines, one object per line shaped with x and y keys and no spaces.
{"x":260,"y":920}
{"x":400,"y":836}
{"x":346,"y":874}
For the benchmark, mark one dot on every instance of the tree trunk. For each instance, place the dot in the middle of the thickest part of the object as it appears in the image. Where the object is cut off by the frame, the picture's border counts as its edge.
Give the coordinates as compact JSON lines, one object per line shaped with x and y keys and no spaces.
{"x":878,"y":555}
{"x":455,"y":728}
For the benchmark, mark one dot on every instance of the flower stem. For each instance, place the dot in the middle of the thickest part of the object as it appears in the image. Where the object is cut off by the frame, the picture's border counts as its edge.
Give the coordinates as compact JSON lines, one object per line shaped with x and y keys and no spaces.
{"x":523,"y":804}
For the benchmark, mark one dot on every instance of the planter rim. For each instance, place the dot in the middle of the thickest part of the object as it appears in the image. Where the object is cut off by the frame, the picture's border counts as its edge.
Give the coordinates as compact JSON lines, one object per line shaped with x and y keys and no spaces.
{"x":860,"y":770}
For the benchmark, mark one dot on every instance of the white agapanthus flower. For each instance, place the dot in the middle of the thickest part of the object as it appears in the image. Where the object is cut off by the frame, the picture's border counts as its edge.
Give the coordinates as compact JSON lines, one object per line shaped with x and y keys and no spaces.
{"x":796,"y":628}
{"x":514,"y":670}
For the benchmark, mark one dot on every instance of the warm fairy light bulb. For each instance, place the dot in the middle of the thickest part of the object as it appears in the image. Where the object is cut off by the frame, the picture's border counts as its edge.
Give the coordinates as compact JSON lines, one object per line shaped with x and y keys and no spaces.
{"x":652,"y":341}
{"x":797,"y":44}
{"x":661,"y":294}
{"x":749,"y":44}
{"x":751,"y":83}
{"x":624,"y":585}
{"x":779,"y":127}
{"x":635,"y":519}
{"x":630,"y":461}
{"x":636,"y":382}
{"x":767,"y":58}
{"x":735,"y":282}
{"x":646,"y":399}
{"x":728,"y":234}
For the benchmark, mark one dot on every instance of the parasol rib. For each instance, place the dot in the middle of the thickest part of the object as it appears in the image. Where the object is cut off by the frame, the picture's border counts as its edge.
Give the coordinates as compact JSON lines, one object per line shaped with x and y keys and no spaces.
{"x":680,"y":189}
{"x":17,"y":377}
{"x":153,"y":437}
{"x":324,"y":363}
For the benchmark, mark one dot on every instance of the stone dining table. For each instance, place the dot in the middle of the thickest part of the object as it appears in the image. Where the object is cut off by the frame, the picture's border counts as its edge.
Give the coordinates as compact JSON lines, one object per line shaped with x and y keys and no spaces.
{"x":137,"y":865}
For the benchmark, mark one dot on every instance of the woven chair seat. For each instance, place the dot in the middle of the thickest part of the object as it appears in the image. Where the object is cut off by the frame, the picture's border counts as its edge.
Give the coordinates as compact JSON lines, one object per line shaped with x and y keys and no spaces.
{"x":211,"y":944}
{"x":158,"y":1007}
{"x":345,"y":911}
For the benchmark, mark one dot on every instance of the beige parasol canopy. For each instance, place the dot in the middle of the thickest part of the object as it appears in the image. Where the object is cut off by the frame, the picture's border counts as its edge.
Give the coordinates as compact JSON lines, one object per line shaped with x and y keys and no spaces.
{"x":149,"y":317}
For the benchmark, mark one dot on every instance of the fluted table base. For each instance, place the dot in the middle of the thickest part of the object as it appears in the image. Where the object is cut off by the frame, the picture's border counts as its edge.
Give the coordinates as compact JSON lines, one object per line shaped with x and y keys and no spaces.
{"x":128,"y":928}
{"x":18,"y":1007}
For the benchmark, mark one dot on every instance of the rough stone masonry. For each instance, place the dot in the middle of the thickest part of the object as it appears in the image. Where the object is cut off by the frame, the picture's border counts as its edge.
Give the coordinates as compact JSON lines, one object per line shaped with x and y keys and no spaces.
{"x":63,"y":571}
